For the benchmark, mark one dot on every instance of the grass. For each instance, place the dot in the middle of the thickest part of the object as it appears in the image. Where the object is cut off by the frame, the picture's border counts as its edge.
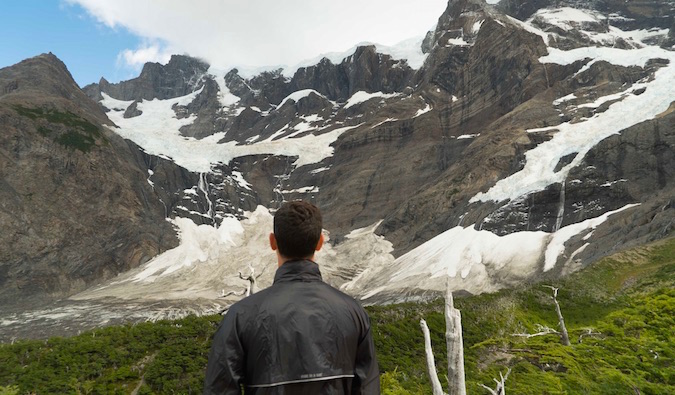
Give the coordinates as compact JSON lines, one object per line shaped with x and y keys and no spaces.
{"x":80,"y":134}
{"x":628,"y":300}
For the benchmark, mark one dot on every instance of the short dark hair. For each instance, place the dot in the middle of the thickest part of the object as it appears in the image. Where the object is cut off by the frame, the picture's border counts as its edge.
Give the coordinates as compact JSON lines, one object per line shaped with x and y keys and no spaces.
{"x":297,"y":229}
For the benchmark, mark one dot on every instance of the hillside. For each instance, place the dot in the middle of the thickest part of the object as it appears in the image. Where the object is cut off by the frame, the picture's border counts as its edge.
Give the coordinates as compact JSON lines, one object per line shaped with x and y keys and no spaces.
{"x":76,"y":206}
{"x":627,"y":299}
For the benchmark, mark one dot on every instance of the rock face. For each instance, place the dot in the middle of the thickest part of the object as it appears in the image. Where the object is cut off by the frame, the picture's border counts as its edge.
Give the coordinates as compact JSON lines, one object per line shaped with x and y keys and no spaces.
{"x":179,"y":77}
{"x":365,"y":70}
{"x":76,"y":205}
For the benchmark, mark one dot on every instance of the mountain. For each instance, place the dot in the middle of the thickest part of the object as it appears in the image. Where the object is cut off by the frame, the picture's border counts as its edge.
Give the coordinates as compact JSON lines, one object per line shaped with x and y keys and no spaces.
{"x":76,"y":205}
{"x":534,"y":138}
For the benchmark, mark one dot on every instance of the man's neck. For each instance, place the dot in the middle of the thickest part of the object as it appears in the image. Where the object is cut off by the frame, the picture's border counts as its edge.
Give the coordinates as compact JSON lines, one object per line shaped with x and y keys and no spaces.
{"x":282,"y":259}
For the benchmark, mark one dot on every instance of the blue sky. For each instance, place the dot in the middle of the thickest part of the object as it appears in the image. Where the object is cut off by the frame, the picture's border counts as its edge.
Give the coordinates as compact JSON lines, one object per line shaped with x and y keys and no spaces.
{"x":89,"y":48}
{"x":114,"y":38}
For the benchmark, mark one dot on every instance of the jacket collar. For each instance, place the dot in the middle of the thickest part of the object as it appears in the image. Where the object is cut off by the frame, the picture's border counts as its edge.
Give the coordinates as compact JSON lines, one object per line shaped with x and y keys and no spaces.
{"x":298,"y":270}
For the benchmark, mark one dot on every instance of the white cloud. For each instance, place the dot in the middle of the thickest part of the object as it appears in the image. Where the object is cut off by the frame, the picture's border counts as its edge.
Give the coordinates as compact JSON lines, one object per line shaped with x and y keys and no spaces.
{"x":145,"y":53}
{"x":254,"y":33}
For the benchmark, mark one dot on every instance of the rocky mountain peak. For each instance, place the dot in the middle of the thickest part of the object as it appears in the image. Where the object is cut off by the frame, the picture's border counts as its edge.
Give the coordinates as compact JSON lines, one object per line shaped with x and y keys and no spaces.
{"x":44,"y":81}
{"x":180,"y":76}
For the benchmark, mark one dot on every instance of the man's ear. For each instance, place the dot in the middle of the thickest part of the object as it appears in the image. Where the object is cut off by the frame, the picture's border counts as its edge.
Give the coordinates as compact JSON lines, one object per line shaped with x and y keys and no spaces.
{"x":319,"y":243}
{"x":273,"y":242}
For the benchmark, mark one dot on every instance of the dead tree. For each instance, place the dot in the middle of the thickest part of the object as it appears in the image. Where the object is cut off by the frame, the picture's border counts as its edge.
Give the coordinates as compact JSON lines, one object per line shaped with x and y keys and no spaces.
{"x":564,"y":337}
{"x":251,"y":287}
{"x":431,"y":365}
{"x":453,"y":339}
{"x":501,"y":386}
{"x":455,"y":347}
{"x":545,"y":330}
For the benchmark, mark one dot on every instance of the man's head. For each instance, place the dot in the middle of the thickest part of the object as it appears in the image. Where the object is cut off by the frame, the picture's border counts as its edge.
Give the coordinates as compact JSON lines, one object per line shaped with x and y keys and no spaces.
{"x":297,"y":231}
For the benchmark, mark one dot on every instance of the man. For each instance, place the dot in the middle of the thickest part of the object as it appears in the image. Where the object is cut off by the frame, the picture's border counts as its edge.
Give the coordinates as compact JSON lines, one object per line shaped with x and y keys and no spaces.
{"x":299,"y":336}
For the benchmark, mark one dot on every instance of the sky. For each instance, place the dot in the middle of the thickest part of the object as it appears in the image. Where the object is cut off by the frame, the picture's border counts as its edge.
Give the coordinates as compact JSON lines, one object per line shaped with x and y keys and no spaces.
{"x":113,"y":39}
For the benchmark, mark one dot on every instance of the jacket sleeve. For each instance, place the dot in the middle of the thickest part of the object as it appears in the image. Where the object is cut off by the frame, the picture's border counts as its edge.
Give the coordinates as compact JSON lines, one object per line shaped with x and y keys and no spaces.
{"x":226,"y":366}
{"x":366,"y":372}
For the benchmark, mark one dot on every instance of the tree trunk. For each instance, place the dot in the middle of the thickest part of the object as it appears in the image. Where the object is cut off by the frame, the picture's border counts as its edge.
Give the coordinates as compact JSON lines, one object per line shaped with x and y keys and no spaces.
{"x":453,"y":338}
{"x":431,"y":365}
{"x":564,"y":336}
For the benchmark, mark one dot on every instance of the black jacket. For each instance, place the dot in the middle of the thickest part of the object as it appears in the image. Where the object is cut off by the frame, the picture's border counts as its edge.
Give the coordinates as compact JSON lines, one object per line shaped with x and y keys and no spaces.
{"x":299,"y":336}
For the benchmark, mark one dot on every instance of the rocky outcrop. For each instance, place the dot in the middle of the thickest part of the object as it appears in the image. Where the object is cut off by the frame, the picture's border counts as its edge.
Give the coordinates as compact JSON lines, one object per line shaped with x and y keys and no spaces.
{"x":365,"y":70}
{"x":76,"y":207}
{"x":180,"y":76}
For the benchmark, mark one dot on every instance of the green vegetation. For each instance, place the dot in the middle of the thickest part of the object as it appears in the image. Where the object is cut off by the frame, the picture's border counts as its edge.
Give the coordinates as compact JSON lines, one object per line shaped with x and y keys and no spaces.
{"x":628,"y":302}
{"x":81,"y":134}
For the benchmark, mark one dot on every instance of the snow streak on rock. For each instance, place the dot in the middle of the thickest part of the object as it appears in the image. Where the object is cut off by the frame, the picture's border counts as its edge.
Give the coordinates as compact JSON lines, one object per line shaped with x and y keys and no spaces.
{"x":540,"y":167}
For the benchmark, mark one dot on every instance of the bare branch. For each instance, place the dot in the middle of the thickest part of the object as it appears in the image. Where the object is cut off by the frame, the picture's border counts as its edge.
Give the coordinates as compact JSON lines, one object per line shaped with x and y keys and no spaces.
{"x":225,"y":295}
{"x":589,"y":332}
{"x":493,"y":392}
{"x":252,"y":280}
{"x":500,"y":389}
{"x":543,"y":330}
{"x":261,"y":272}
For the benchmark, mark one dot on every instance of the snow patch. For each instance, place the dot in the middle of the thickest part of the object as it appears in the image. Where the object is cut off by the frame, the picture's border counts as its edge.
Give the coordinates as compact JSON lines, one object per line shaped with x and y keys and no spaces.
{"x":563,"y":99}
{"x":319,"y":170}
{"x":225,"y":97}
{"x":297,"y":95}
{"x":476,"y":26}
{"x":557,"y":244}
{"x":363,"y":96}
{"x":197,"y":244}
{"x":457,"y":42}
{"x":409,"y":50}
{"x":604,"y":99}
{"x":567,"y":19}
{"x":239,"y":179}
{"x":157,"y":131}
{"x":528,"y":27}
{"x":562,"y":17}
{"x":422,"y":111}
{"x":309,"y":189}
{"x":610,"y":183}
{"x":383,"y":122}
{"x":471,"y":260}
